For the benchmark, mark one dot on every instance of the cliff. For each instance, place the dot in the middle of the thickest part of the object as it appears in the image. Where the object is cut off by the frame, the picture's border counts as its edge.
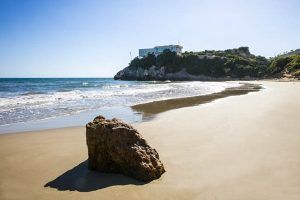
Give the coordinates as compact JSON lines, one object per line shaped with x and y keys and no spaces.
{"x":209,"y":65}
{"x":160,"y":74}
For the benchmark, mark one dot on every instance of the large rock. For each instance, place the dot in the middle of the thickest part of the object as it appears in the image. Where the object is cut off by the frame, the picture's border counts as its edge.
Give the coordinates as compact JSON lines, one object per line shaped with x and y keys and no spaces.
{"x":116,"y":147}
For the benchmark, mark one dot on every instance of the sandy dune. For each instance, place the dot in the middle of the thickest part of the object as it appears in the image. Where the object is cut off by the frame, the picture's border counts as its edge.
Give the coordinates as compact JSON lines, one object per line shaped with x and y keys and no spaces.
{"x":236,"y":148}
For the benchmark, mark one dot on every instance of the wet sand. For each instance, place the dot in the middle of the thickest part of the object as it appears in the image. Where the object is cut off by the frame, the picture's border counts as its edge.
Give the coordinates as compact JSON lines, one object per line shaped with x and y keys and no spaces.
{"x":239,"y":147}
{"x":149,"y":110}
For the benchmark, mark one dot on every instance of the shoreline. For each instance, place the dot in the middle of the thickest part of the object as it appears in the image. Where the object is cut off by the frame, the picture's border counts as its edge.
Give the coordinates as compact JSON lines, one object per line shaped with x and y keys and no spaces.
{"x":240,"y":147}
{"x":150,"y":109}
{"x":136,"y":113}
{"x":131,"y":114}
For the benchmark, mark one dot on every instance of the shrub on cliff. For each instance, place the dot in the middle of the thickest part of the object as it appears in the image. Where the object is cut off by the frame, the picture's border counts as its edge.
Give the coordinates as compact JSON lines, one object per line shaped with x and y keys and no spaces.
{"x":288,"y":64}
{"x":144,"y":62}
{"x":170,"y":60}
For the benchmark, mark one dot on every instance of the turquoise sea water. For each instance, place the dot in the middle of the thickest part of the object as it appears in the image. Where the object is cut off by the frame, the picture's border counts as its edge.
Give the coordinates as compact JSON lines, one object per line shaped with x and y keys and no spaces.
{"x":37,"y":103}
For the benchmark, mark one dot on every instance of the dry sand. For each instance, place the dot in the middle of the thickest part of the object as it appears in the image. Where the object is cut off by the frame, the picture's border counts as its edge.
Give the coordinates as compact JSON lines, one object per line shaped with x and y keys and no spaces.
{"x":239,"y":147}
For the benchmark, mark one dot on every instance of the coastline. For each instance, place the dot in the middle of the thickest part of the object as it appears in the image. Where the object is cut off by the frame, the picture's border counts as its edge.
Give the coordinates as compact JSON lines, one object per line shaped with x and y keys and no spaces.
{"x":239,"y":147}
{"x":130,"y":114}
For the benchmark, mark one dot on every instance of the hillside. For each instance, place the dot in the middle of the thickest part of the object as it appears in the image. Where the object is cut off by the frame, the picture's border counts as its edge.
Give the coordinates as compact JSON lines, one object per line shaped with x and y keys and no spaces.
{"x":290,"y":53}
{"x":286,"y":66}
{"x":209,"y":65}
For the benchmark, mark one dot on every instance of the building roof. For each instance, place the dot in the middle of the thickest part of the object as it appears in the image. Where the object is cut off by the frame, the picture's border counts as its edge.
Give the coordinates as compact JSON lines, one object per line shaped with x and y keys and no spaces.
{"x":165,"y":46}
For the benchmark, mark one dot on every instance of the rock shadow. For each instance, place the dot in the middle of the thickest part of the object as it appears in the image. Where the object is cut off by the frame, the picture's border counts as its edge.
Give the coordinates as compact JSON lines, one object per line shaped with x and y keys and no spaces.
{"x":81,"y":179}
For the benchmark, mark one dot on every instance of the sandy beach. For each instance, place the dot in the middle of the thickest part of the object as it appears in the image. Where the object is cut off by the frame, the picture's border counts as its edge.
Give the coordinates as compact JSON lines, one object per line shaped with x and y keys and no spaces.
{"x":236,"y":148}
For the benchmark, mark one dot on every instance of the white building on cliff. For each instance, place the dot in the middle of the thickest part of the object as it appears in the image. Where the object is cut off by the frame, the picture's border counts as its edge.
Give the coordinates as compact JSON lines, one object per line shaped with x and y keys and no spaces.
{"x":159,"y":49}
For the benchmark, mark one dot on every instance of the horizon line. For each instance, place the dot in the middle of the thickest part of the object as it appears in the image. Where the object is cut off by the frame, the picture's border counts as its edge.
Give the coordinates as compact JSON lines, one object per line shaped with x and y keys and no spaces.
{"x":55,"y":77}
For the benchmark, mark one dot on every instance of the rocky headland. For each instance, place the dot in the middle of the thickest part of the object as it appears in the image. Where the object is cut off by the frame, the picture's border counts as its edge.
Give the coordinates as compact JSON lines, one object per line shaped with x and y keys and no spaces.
{"x":231,"y":64}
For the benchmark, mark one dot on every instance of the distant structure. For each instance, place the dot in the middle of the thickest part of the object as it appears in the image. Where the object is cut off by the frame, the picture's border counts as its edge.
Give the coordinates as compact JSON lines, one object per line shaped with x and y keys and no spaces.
{"x":159,"y":49}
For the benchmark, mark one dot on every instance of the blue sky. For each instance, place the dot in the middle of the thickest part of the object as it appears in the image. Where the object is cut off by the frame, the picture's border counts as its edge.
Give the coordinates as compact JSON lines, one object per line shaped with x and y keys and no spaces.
{"x":89,"y":38}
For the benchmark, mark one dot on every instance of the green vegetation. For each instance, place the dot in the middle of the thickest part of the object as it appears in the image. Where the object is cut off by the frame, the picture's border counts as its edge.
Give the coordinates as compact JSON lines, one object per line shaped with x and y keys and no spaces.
{"x":289,"y":65}
{"x":236,"y":63}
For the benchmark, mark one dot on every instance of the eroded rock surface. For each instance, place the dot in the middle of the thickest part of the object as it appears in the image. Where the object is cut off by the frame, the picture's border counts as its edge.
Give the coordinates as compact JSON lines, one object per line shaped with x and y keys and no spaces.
{"x":116,"y":147}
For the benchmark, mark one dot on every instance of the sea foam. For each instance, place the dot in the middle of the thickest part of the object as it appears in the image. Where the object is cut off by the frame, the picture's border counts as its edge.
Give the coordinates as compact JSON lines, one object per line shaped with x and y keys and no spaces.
{"x":29,"y":100}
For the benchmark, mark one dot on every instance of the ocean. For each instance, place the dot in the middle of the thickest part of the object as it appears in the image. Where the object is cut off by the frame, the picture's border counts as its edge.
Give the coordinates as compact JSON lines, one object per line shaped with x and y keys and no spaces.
{"x":39,"y":103}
